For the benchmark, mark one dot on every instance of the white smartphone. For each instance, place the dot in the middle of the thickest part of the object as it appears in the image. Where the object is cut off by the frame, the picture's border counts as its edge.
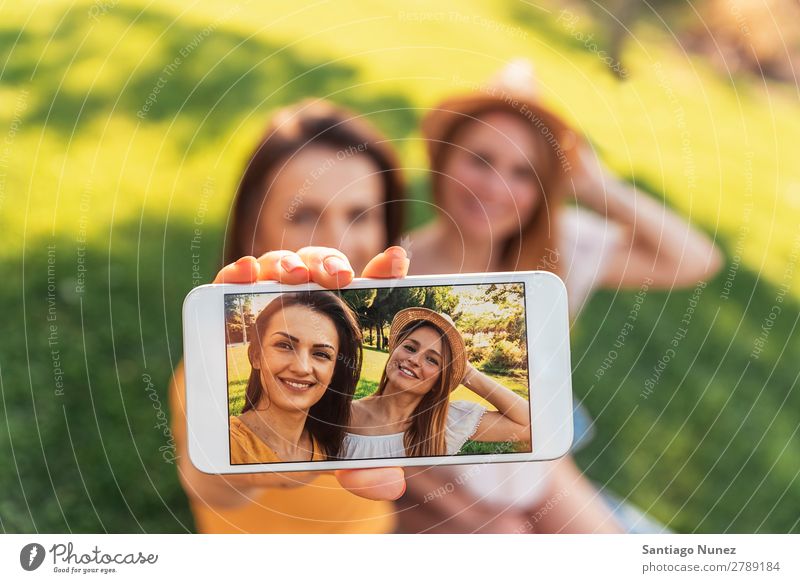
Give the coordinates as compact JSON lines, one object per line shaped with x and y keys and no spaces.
{"x":424,"y":370}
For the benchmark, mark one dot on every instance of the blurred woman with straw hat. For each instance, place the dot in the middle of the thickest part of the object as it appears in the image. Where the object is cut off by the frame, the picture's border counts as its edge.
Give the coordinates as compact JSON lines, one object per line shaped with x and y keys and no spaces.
{"x":503,"y":166}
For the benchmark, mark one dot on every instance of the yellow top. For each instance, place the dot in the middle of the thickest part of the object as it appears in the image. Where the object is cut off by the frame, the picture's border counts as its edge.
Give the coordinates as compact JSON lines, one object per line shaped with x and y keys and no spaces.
{"x":248,"y":448}
{"x":322,"y":506}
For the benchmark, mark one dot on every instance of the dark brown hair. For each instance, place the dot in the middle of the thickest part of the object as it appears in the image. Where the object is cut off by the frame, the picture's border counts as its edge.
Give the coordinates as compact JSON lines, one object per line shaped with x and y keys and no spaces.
{"x":307,"y":123}
{"x":425,"y":435}
{"x":329,"y":417}
{"x":533,"y":247}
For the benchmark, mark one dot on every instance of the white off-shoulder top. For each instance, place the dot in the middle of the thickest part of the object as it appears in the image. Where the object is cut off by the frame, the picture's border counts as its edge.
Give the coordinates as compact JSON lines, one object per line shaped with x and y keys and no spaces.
{"x":463,"y":418}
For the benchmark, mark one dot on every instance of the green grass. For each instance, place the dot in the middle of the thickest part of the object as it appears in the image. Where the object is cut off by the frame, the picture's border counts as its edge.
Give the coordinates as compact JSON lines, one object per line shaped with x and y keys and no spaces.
{"x":480,"y":447}
{"x":714,"y":448}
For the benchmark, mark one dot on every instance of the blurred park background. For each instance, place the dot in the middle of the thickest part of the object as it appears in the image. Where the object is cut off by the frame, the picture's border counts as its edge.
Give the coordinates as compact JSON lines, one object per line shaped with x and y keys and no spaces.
{"x":125,"y":126}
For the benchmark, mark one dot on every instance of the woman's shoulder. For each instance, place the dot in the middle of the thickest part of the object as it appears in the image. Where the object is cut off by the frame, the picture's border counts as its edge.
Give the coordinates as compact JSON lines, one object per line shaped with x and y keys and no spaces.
{"x":458,"y":409}
{"x":240,"y":432}
{"x":587,"y":242}
{"x":246,"y":446}
{"x":425,"y":237}
{"x":585,"y":231}
{"x":237,"y":426}
{"x":426,"y":233}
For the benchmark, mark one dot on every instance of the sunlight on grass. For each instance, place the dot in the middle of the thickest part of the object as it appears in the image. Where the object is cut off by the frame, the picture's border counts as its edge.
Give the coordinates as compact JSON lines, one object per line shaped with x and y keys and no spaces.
{"x":79,"y":161}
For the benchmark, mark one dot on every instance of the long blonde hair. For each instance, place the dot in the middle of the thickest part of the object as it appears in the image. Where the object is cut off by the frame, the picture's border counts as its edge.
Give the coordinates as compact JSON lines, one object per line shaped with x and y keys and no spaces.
{"x":535,"y":246}
{"x":425,"y":435}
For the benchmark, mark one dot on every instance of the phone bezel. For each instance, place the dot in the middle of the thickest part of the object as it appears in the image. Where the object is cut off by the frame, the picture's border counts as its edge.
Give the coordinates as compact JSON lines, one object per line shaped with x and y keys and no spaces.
{"x":548,"y":366}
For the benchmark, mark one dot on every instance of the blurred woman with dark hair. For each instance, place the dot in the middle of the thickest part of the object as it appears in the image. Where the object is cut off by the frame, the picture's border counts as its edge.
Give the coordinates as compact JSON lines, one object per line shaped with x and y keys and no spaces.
{"x":320,"y":195}
{"x":322,"y":176}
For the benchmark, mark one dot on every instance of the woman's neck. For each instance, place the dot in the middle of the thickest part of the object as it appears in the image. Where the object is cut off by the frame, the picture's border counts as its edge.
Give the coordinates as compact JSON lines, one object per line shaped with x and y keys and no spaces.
{"x":283,"y":431}
{"x":456,"y":251}
{"x":395,"y":407}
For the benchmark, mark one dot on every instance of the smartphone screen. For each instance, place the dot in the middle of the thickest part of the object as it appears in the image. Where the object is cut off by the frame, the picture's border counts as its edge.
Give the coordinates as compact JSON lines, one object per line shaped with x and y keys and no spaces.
{"x":377,"y":373}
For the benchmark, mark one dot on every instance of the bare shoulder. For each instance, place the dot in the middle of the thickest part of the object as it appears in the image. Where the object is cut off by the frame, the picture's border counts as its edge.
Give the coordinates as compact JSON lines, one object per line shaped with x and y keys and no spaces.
{"x":422,"y":236}
{"x":418,"y":244}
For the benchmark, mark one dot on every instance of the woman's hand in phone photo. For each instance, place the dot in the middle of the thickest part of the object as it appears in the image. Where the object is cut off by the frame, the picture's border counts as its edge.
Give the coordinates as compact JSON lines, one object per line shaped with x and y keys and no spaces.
{"x":512,"y":419}
{"x":329,"y":268}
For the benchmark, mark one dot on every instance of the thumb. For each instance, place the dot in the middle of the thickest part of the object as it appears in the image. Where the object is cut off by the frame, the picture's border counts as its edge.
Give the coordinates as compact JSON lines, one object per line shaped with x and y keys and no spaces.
{"x":392,"y":263}
{"x":374,"y":483}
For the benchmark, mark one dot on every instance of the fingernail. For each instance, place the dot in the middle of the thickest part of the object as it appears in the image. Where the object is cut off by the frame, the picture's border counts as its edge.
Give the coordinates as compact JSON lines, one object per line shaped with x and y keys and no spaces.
{"x":334,"y":265}
{"x":292,"y":262}
{"x":403,"y":491}
{"x":396,"y":252}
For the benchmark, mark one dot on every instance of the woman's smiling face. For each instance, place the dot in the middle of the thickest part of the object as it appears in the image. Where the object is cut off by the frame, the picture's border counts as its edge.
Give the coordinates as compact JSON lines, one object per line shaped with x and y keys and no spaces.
{"x":297,"y":358}
{"x":488,"y":184}
{"x":416,"y":363}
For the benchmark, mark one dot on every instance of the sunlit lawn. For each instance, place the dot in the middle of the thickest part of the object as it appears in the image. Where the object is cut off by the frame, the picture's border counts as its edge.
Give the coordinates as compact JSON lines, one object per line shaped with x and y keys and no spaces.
{"x":715,"y":446}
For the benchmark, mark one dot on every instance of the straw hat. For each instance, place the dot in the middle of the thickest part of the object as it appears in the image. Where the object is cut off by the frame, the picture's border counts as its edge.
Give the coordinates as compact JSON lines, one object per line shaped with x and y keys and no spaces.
{"x":442,"y":321}
{"x":512,"y":88}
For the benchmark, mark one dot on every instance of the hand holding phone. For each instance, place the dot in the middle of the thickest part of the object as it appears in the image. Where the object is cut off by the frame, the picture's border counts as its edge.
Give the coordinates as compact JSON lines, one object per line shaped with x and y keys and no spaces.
{"x":310,"y":264}
{"x":297,"y":378}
